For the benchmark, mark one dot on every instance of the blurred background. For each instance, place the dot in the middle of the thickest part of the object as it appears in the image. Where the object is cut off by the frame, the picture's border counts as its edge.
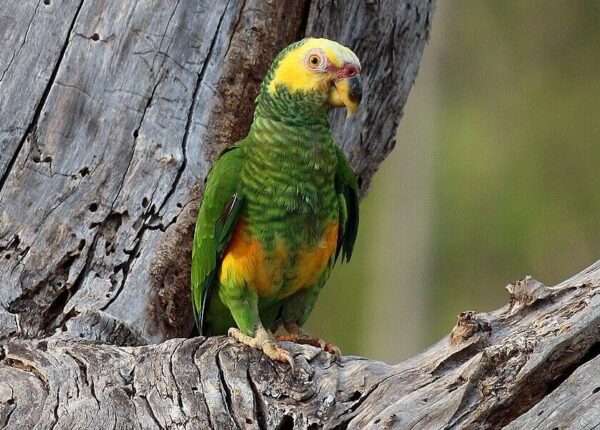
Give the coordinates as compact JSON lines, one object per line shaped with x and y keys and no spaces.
{"x":495,"y":175}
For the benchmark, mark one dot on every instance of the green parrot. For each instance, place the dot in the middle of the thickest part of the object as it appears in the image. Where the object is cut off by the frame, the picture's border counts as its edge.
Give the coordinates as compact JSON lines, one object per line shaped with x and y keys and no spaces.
{"x":280,"y":205}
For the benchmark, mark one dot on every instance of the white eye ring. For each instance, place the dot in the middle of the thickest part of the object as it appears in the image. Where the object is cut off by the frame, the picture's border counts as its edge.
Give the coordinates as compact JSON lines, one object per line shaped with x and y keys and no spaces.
{"x":316,"y":60}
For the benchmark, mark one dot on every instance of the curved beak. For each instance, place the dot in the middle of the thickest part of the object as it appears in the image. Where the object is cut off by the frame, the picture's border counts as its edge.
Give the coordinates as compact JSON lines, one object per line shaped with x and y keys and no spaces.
{"x":346,"y":92}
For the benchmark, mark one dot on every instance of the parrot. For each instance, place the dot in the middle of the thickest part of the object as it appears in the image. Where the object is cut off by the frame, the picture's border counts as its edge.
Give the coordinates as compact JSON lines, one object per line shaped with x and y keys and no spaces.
{"x":280,"y":205}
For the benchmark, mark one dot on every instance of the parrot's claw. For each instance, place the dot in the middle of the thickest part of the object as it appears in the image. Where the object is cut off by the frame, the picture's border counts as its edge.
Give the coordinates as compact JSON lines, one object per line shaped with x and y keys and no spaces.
{"x":265,"y":342}
{"x":333,"y":350}
{"x":313,"y":341}
{"x":277,"y":353}
{"x":302,"y":340}
{"x":298,"y":335}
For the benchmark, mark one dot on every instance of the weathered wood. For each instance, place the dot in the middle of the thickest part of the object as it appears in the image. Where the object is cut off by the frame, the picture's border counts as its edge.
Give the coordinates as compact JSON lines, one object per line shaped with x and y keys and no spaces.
{"x":112,"y":113}
{"x":532,"y":363}
{"x":574,"y":404}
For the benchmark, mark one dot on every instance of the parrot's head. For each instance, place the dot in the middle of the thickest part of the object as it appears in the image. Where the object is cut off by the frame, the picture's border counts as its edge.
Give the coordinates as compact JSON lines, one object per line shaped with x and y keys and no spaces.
{"x":319,"y":72}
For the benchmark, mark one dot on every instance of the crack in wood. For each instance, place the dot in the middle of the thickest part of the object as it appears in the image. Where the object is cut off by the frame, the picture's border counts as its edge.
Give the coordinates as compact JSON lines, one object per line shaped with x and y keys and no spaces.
{"x":31,"y":127}
{"x":259,"y":411}
{"x":225,"y":390}
{"x":190,"y":115}
{"x":18,"y":50}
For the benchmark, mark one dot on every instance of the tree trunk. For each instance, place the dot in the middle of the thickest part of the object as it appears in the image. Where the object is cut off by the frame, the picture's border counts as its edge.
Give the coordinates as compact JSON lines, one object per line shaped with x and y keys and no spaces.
{"x":112,"y":113}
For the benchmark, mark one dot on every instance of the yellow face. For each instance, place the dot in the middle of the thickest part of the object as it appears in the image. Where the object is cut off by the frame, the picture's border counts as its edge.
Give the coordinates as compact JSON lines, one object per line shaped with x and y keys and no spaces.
{"x":324,"y":66}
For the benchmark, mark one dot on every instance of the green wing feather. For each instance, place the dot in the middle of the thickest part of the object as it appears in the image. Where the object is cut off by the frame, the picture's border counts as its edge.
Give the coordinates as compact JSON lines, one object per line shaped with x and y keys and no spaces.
{"x":219,"y":212}
{"x":347,"y":189}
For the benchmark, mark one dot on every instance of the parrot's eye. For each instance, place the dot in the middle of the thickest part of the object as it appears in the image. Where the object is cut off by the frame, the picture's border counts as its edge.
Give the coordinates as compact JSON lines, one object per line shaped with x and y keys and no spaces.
{"x":315,"y":60}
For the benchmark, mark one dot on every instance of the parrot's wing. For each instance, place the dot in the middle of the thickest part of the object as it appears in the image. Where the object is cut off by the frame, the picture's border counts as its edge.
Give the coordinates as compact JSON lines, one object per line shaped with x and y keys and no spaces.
{"x":216,"y":222}
{"x":347,"y":190}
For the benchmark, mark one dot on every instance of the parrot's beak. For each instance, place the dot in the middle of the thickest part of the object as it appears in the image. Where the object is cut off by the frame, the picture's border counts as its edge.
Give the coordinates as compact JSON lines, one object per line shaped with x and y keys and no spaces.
{"x":346,"y":92}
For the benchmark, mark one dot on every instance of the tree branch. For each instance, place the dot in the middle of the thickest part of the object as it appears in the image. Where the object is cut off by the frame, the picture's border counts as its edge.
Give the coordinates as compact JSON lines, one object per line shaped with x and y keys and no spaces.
{"x":532,"y":363}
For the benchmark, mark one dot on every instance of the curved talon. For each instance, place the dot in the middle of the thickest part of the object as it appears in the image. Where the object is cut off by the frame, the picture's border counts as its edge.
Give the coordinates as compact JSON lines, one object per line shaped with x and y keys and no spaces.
{"x":333,"y":350}
{"x":275,"y":352}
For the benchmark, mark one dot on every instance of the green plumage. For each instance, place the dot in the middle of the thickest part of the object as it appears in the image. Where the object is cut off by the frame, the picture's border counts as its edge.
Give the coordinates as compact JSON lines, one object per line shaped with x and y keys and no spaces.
{"x":287,"y":181}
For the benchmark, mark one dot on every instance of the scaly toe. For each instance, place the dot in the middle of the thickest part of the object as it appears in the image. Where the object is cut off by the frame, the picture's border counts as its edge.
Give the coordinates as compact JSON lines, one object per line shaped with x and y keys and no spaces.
{"x":264,"y":342}
{"x":277,"y":353}
{"x":289,"y":338}
{"x":237,"y":334}
{"x":304,"y":340}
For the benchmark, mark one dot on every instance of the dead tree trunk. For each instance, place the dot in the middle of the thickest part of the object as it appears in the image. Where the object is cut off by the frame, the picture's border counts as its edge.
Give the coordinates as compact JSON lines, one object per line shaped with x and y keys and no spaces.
{"x":111,"y":114}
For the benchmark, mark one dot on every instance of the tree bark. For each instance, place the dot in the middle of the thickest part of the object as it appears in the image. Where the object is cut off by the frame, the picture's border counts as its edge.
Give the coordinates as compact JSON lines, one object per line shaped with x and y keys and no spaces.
{"x":112,"y":113}
{"x":532,"y":364}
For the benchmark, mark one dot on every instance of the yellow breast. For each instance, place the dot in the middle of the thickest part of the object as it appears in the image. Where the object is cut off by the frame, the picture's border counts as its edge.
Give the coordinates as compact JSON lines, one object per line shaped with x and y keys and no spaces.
{"x":312,"y":261}
{"x":246,"y":263}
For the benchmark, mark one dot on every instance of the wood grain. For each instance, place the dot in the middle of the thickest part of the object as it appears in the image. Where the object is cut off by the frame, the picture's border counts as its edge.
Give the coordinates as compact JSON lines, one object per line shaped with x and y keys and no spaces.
{"x":111,"y":115}
{"x":532,"y":364}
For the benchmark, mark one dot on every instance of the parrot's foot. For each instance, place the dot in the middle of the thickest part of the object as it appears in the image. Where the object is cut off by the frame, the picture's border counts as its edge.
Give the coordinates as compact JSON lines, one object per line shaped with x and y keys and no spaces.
{"x":264,"y":341}
{"x":313,"y":341}
{"x":298,"y":335}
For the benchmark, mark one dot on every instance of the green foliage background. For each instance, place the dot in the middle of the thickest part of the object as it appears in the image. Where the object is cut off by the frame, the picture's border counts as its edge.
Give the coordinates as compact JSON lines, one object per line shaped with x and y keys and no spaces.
{"x":496,"y":175}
